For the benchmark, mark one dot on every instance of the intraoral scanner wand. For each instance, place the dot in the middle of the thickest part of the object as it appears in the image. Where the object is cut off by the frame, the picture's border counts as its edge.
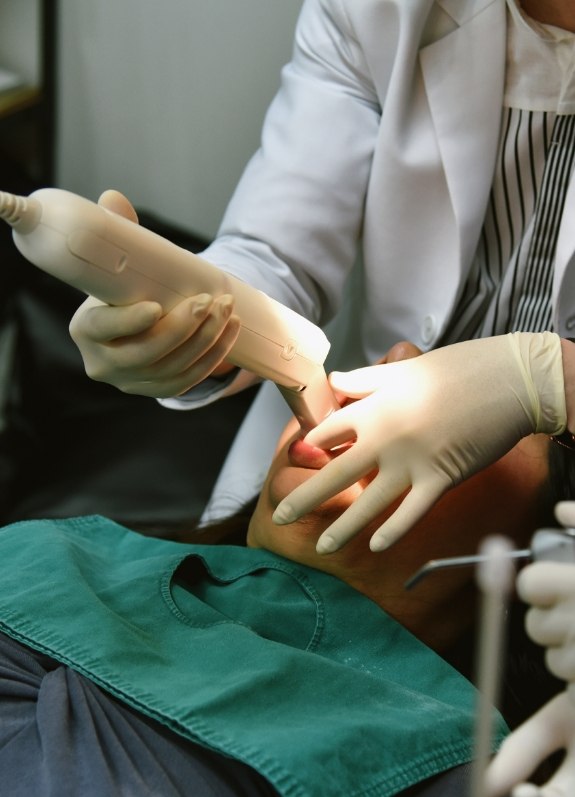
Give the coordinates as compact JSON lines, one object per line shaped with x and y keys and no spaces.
{"x":119,"y":262}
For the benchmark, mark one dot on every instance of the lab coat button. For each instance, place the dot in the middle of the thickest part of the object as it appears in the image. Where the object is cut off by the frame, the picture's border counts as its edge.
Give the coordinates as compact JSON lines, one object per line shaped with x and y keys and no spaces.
{"x":428,"y":328}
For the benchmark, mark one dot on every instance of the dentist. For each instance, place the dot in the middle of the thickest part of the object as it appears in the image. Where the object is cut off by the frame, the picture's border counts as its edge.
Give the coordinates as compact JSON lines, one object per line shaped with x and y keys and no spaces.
{"x":435,"y":139}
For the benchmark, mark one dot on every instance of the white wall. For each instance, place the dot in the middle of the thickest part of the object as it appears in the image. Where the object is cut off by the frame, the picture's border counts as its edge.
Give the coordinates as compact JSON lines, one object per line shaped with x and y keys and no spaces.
{"x":164,"y":99}
{"x":19,"y":32}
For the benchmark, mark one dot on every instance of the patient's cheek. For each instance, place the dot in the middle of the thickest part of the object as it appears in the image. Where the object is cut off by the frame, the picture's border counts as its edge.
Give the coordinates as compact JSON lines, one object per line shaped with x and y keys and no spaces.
{"x":283,"y":482}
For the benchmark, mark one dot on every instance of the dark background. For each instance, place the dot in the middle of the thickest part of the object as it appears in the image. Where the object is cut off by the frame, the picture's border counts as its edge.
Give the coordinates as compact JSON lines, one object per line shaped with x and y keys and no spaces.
{"x":72,"y":446}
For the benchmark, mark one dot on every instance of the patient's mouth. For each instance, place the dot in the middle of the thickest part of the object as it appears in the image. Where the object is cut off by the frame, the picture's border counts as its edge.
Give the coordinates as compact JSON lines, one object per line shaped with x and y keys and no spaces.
{"x":303,"y":455}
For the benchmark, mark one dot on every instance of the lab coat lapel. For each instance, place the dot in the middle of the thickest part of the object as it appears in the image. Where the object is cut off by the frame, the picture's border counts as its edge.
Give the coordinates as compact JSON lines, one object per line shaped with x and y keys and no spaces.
{"x":464,"y":74}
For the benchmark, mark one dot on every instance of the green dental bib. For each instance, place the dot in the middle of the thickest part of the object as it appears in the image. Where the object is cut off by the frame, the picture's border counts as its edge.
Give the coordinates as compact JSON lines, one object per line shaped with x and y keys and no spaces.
{"x":278,"y":665}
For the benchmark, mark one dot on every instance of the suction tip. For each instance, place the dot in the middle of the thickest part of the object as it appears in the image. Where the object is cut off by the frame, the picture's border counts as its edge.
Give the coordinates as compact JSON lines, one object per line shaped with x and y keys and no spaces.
{"x":21,"y":213}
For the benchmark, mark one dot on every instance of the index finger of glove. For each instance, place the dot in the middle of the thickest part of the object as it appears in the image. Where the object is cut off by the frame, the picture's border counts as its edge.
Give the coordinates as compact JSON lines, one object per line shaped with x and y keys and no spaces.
{"x":337,"y":475}
{"x":374,"y":500}
{"x":414,"y":506}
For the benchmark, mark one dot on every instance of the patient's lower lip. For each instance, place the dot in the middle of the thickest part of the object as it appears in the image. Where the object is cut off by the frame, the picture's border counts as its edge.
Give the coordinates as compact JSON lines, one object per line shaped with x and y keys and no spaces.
{"x":302,"y":455}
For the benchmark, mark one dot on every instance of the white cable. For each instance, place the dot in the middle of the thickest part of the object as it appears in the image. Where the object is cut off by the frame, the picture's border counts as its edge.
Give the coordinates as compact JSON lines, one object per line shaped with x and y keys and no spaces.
{"x":495,"y":578}
{"x":21,"y":213}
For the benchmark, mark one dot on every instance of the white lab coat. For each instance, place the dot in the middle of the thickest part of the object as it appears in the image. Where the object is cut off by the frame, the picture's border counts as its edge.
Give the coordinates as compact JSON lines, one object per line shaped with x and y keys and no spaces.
{"x":382,"y":138}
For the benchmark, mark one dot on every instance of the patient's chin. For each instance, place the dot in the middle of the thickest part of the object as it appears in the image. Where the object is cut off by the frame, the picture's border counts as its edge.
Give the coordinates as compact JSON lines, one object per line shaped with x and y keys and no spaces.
{"x":284,"y":481}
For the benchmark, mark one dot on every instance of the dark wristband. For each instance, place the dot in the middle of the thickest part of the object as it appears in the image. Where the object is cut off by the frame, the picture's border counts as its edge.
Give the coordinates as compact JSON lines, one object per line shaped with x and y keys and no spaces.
{"x":565,"y":439}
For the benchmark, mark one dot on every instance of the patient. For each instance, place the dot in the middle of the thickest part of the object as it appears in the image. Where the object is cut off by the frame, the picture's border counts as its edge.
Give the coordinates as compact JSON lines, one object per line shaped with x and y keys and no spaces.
{"x":505,"y":498}
{"x":137,"y":666}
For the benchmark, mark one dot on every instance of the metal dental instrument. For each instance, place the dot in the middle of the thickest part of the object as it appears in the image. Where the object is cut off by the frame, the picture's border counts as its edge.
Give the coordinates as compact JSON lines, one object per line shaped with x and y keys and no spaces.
{"x":550,"y":545}
{"x":494,"y":564}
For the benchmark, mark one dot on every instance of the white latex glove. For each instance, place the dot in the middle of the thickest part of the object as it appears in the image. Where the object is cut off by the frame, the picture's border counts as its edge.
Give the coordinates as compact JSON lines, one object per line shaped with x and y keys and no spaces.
{"x":552,"y":728}
{"x":139,"y":350}
{"x":550,"y":589}
{"x":427,"y":424}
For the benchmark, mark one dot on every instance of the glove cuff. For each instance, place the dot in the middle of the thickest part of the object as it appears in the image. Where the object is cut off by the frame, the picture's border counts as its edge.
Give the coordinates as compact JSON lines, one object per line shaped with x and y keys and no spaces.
{"x":538,"y":355}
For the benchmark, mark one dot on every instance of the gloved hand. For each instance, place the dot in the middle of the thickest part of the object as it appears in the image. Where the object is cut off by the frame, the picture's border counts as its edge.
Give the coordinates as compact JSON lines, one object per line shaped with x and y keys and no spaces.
{"x":550,"y":589}
{"x":551,"y":728}
{"x":427,"y":424}
{"x":140,"y":350}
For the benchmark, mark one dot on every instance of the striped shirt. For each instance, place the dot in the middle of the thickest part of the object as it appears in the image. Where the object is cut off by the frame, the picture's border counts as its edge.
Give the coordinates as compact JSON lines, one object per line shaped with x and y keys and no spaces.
{"x":510,"y":281}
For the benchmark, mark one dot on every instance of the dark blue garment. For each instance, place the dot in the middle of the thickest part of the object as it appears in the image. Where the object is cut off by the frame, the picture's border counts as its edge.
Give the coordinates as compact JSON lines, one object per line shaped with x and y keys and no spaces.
{"x":62,"y":736}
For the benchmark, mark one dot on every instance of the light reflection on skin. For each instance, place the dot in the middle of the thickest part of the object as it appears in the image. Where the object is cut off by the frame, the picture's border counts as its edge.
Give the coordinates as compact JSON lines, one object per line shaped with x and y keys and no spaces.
{"x":504,"y":499}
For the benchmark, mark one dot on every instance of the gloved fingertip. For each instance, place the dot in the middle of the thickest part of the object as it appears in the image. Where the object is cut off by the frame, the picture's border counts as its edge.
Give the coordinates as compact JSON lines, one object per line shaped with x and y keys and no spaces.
{"x":526,"y":790}
{"x":326,"y":545}
{"x":379,"y":543}
{"x":565,"y":513}
{"x":284,"y":514}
